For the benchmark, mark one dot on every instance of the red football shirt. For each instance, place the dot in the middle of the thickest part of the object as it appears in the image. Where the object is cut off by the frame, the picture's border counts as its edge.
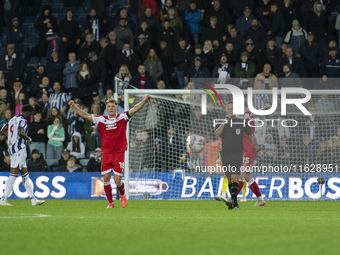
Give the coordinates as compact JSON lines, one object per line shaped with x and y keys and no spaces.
{"x":248,"y":147}
{"x":112,"y":132}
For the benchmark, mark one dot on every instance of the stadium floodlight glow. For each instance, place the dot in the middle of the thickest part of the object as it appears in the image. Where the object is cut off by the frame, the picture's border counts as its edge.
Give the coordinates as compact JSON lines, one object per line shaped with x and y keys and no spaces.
{"x":238,"y":100}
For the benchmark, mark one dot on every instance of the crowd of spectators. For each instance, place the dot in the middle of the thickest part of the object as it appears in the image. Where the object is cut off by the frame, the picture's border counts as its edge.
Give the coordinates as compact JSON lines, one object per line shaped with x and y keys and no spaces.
{"x":153,"y":44}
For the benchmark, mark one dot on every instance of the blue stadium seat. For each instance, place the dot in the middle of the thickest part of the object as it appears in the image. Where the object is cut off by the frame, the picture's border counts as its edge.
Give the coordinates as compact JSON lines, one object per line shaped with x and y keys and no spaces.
{"x":28,"y":46}
{"x":30,"y":39}
{"x":33,"y":61}
{"x":83,"y":10}
{"x":31,"y":19}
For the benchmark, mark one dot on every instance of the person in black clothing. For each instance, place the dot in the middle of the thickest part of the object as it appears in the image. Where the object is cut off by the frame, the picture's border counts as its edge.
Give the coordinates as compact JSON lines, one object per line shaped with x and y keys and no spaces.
{"x":172,"y":145}
{"x":311,"y":56}
{"x":5,"y":162}
{"x":34,"y":79}
{"x":166,"y":60}
{"x":84,"y":81}
{"x":316,"y":21}
{"x":93,"y":25}
{"x":232,"y":151}
{"x":95,"y":161}
{"x":89,"y":45}
{"x":98,"y":66}
{"x":12,"y":64}
{"x":142,"y":48}
{"x":37,"y":132}
{"x":127,"y":57}
{"x":16,"y":35}
{"x":143,"y":80}
{"x":181,"y":58}
{"x":69,"y":32}
{"x":277,"y":29}
{"x":70,"y":166}
{"x":123,"y":14}
{"x":65,"y":155}
{"x":294,"y":60}
{"x":36,"y":163}
{"x":44,"y":23}
{"x":167,"y":34}
{"x":222,"y":15}
{"x":212,"y":32}
{"x":257,"y":34}
{"x":55,"y":67}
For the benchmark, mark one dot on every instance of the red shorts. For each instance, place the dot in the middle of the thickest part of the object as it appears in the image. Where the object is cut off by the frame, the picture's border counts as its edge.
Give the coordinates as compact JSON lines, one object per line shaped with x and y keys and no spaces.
{"x":248,"y":159}
{"x":113,"y":163}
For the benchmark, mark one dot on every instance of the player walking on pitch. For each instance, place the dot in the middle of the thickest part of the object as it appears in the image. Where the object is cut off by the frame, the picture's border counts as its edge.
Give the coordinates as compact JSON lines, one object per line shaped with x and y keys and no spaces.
{"x":112,"y":129}
{"x":17,"y":141}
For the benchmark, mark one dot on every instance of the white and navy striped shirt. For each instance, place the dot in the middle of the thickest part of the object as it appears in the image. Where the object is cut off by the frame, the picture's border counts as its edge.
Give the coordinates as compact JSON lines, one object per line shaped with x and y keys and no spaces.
{"x":14,"y":141}
{"x":58,"y":100}
{"x":95,"y":28}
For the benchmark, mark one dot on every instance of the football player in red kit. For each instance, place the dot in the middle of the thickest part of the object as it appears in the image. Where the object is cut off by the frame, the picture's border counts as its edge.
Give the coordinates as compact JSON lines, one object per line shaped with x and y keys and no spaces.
{"x":112,"y":129}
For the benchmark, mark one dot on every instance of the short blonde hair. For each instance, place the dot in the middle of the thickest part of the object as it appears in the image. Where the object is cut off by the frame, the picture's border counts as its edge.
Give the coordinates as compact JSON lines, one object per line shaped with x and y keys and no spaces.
{"x":111,"y":100}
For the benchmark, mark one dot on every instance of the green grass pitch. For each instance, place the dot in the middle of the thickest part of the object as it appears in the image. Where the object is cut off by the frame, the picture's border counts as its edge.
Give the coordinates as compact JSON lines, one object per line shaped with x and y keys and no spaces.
{"x":63,"y":227}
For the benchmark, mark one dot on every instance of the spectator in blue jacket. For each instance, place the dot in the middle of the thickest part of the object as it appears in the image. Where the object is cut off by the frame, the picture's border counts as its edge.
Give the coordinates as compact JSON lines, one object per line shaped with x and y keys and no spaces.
{"x":192,"y":16}
{"x":16,"y":35}
{"x":54,"y":44}
{"x":70,"y":73}
{"x":243,"y":23}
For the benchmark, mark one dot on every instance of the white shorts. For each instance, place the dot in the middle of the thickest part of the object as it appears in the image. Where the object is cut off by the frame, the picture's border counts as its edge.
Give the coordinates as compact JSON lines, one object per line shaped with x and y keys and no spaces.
{"x":19,"y":159}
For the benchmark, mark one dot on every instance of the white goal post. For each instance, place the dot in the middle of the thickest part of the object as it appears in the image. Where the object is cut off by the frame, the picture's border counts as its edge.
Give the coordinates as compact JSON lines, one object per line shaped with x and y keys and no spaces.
{"x":146,"y":182}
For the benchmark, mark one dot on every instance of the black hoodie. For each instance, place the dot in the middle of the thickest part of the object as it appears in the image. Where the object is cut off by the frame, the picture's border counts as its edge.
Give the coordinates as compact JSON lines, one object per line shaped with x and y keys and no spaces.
{"x":41,"y":27}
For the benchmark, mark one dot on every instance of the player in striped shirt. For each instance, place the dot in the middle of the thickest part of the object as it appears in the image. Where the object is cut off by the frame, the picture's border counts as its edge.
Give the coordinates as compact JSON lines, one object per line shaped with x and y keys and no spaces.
{"x":112,"y":131}
{"x":17,"y":141}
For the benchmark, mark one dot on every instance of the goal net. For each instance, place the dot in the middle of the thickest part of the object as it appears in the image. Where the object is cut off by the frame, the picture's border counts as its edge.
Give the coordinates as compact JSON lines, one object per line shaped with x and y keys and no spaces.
{"x":302,"y":152}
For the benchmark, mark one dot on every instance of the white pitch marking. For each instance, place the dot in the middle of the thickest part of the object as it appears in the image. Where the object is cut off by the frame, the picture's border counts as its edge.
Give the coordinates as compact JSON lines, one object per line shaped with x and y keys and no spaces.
{"x":25,"y":216}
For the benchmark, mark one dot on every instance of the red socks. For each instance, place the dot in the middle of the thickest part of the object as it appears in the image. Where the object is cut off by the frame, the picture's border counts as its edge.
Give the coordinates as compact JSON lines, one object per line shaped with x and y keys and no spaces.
{"x":255,"y":189}
{"x":108,"y":192}
{"x":240,"y":186}
{"x":121,"y":189}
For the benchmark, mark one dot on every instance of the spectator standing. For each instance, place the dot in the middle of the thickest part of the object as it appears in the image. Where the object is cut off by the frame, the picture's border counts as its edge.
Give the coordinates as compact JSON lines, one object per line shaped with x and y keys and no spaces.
{"x":243,"y":23}
{"x":264,"y":15}
{"x":93,"y":24}
{"x":16,"y":35}
{"x":12,"y":64}
{"x":316,"y":21}
{"x":89,"y":45}
{"x":277,"y":29}
{"x":44,"y":23}
{"x":257,"y":34}
{"x":69,"y":32}
{"x":70,"y":72}
{"x":58,"y":99}
{"x":84,"y":81}
{"x":153,"y":65}
{"x":54,"y":68}
{"x":37,"y":131}
{"x":192,"y":17}
{"x":311,"y":56}
{"x":98,"y":66}
{"x":143,"y":80}
{"x":296,"y":36}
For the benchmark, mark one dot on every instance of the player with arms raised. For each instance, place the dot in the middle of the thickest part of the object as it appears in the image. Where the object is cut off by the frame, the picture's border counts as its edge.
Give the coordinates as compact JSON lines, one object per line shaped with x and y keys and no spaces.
{"x":112,"y":129}
{"x":17,"y":141}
